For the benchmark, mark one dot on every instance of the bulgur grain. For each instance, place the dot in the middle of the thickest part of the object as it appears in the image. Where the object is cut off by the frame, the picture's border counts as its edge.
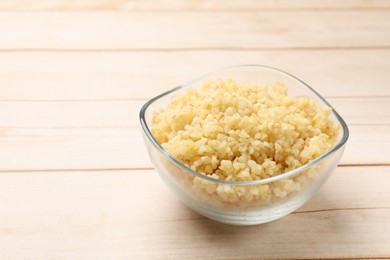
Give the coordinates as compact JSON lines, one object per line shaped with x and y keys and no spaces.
{"x":242,"y":132}
{"x":235,"y":132}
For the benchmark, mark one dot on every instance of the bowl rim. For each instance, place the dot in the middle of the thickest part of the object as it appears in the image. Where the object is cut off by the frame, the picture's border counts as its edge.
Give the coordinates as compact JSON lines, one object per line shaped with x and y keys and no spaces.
{"x":171,"y":158}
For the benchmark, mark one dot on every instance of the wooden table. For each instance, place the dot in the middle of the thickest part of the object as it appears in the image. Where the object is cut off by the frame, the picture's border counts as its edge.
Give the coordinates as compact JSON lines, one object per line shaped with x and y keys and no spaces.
{"x":76,"y":182}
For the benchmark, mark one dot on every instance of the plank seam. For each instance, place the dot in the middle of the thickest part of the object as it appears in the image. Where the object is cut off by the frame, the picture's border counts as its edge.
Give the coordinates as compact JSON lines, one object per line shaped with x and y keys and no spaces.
{"x":146,"y":99}
{"x":337,"y":209}
{"x":199,"y":10}
{"x":130,"y":126}
{"x":150,"y":168}
{"x":184,"y":49}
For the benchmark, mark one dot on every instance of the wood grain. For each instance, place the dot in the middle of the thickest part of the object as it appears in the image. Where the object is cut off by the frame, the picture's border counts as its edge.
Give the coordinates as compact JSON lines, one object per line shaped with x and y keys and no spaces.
{"x":71,"y":114}
{"x":126,"y":113}
{"x":52,"y":76}
{"x":114,"y":214}
{"x":75,"y":179}
{"x":123,"y":148}
{"x":177,"y":30}
{"x":90,"y":148}
{"x":204,"y":5}
{"x":106,"y":135}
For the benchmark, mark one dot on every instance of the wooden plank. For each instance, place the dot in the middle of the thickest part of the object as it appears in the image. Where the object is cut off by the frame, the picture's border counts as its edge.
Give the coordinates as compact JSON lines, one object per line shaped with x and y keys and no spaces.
{"x":69,"y":149}
{"x":70,"y":114}
{"x":361,"y":111}
{"x":215,"y":5}
{"x":367,"y":145}
{"x":114,"y":215}
{"x":126,"y":113}
{"x":122,"y":75}
{"x":35,"y":149}
{"x":173,"y":30}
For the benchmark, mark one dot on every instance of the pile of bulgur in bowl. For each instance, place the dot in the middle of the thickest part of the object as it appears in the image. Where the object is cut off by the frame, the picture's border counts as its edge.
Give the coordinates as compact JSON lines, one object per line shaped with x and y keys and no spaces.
{"x":243,"y":153}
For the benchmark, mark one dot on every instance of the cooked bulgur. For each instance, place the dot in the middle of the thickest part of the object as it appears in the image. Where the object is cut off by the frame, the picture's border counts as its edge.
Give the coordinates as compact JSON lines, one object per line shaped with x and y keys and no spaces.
{"x":242,"y":132}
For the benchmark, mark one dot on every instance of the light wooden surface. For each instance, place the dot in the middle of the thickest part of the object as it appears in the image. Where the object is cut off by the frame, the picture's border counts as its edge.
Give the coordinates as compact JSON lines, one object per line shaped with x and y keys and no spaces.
{"x":75,"y":179}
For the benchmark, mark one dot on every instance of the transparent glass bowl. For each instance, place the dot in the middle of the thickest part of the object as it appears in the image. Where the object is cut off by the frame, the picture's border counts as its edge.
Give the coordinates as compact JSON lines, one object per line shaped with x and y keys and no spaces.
{"x":260,"y":201}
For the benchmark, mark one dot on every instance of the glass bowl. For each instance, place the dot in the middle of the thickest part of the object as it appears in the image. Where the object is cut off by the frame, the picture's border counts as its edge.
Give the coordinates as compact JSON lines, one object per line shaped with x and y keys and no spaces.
{"x":250,"y":202}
